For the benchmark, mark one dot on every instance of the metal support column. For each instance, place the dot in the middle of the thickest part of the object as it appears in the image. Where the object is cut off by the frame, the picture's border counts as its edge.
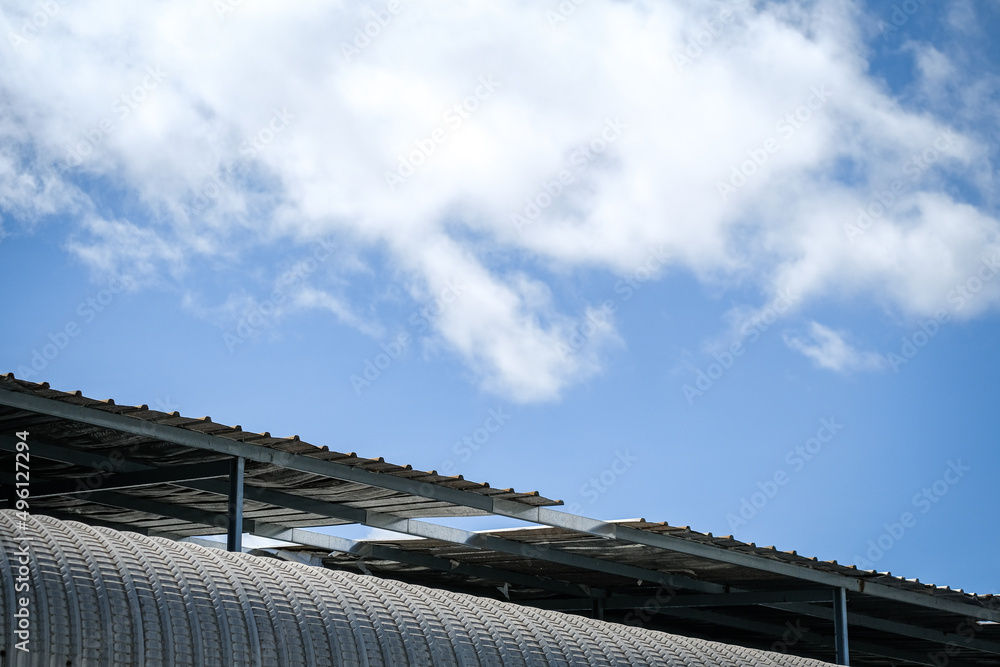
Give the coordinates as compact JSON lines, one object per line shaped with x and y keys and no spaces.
{"x":598,"y":609}
{"x":234,"y":532}
{"x":840,"y":625}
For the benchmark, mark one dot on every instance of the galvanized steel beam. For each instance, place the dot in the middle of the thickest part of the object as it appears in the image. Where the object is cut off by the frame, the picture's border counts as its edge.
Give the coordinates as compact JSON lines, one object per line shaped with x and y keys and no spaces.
{"x":894,"y":627}
{"x":769,"y":630}
{"x":493,"y":543}
{"x":234,"y":525}
{"x":840,"y":626}
{"x":718,"y":600}
{"x":367,"y":550}
{"x":778,"y":631}
{"x":858,"y":584}
{"x":377,"y":519}
{"x":213,"y":520}
{"x":128,"y":480}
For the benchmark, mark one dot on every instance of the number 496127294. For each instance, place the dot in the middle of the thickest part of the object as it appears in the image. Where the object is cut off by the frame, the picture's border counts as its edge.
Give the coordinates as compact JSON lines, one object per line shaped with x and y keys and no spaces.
{"x":21,"y":462}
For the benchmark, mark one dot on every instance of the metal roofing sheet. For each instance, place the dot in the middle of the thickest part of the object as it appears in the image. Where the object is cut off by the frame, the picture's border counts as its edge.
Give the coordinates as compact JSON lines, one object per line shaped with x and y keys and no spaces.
{"x":144,"y":450}
{"x":489,"y":575}
{"x":669,"y":561}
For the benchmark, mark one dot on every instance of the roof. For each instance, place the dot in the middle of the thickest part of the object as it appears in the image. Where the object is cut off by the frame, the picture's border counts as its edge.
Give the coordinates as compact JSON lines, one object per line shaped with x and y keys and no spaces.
{"x":755,"y":605}
{"x":128,"y":467}
{"x":140,"y":448}
{"x":99,"y":596}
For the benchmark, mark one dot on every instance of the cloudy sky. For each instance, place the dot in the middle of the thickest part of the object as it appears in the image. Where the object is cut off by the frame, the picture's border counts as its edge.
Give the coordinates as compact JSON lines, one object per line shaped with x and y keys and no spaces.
{"x":730,"y":265}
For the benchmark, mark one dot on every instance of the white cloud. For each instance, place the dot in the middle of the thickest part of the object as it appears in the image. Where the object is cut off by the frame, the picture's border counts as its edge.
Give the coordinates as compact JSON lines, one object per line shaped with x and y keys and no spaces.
{"x":828,"y":349}
{"x":200,"y":149}
{"x":123,"y":248}
{"x":310,"y":297}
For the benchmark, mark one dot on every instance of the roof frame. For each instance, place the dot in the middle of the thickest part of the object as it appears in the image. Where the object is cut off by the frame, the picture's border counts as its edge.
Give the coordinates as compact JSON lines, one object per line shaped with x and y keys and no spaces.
{"x":131,"y":474}
{"x":499,"y":506}
{"x":140,"y":477}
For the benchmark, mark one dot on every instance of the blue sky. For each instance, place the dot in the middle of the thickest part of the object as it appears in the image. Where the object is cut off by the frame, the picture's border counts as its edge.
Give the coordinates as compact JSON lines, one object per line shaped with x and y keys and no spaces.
{"x":726,"y":265}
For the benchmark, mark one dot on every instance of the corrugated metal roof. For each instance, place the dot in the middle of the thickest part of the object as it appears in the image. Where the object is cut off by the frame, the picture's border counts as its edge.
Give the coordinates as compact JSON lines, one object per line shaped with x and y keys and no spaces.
{"x":667,"y":561}
{"x":157,"y":453}
{"x":728,"y":576}
{"x":102,"y":597}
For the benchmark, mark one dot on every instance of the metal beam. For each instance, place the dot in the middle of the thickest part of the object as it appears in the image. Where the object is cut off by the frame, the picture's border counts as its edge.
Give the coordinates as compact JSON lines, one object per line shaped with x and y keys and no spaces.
{"x":127,"y":480}
{"x":204,"y":542}
{"x":840,"y":626}
{"x":134,"y":503}
{"x":234,"y":525}
{"x":192,"y":515}
{"x":412,"y":527}
{"x":754,"y":598}
{"x":105,"y":464}
{"x":114,"y":525}
{"x":719,"y":600}
{"x":486,"y":504}
{"x":290,"y":556}
{"x":894,"y":627}
{"x":773,"y":632}
{"x":220,"y":445}
{"x":778,"y":631}
{"x":367,"y":551}
{"x":854,"y":584}
{"x":493,"y":543}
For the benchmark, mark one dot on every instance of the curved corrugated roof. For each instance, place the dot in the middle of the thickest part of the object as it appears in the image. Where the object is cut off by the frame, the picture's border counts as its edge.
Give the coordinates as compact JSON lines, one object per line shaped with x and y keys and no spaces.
{"x":102,"y":597}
